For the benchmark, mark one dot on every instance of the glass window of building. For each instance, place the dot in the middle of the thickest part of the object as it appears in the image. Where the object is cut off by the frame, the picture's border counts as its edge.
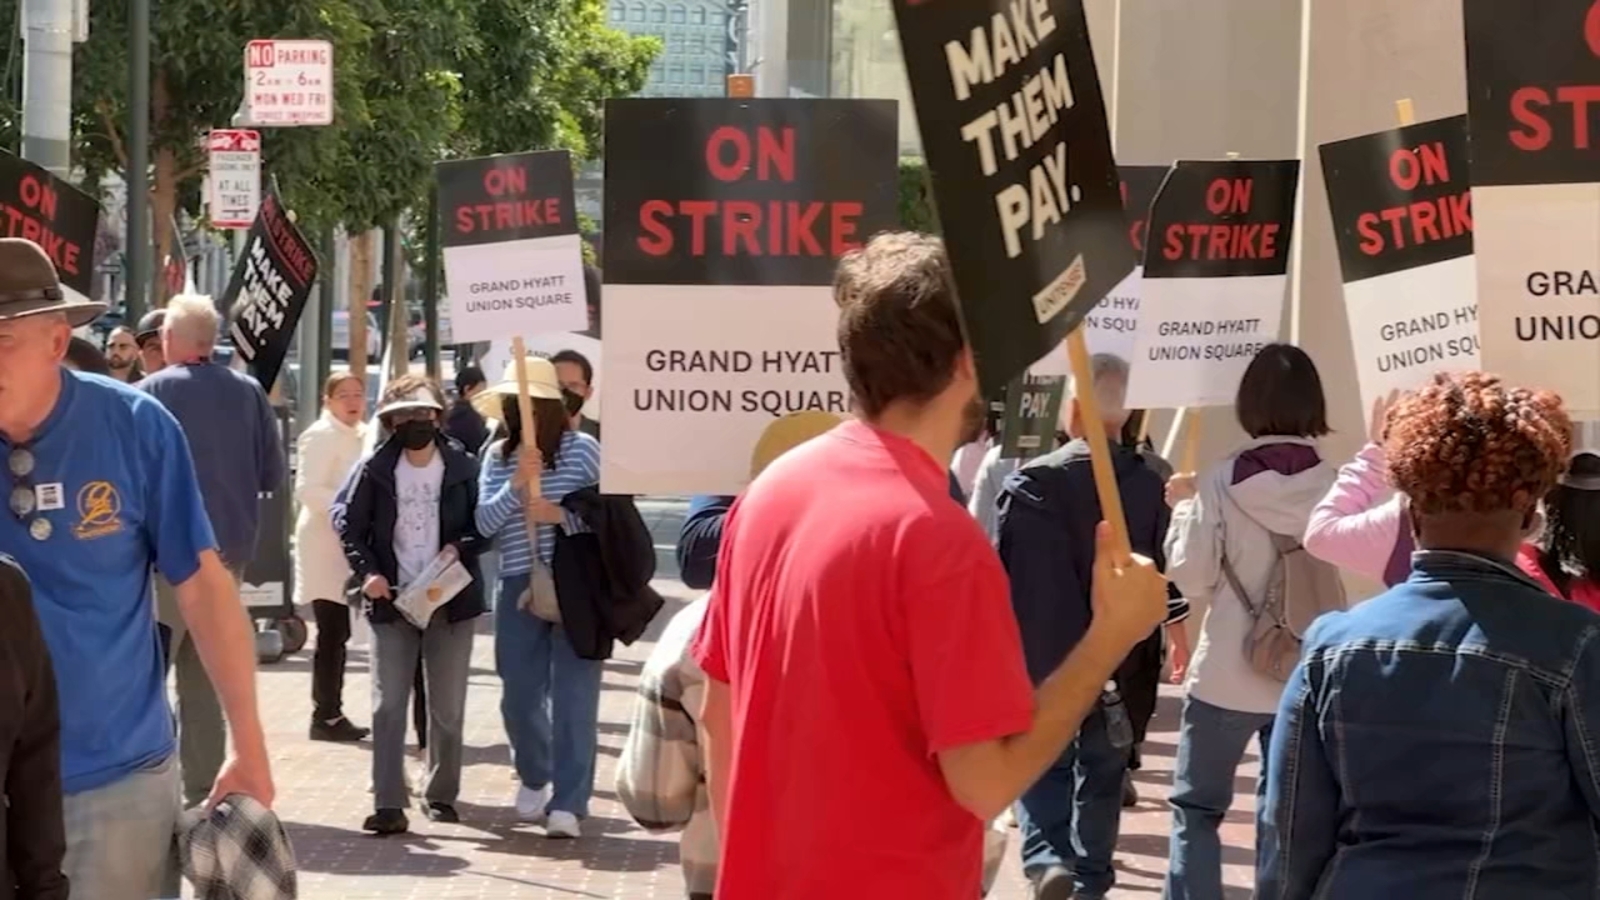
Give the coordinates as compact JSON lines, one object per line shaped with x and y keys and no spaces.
{"x":658,"y":14}
{"x":866,"y":62}
{"x":619,"y":12}
{"x":679,"y":14}
{"x":636,"y":13}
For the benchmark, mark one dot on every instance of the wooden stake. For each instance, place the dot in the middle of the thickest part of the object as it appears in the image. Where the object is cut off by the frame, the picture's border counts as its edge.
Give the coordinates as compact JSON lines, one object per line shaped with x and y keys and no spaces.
{"x":530,"y":430}
{"x":1105,"y":475}
{"x":1169,"y":447}
{"x":1406,"y":113}
{"x":1189,"y":459}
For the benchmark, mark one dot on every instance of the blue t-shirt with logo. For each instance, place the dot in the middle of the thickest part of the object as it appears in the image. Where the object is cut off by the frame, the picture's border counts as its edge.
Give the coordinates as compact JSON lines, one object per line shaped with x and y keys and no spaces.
{"x":114,"y":479}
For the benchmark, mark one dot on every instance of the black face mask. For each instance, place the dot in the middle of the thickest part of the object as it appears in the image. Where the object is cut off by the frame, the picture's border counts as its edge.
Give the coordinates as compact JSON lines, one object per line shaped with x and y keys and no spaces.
{"x":415,"y":435}
{"x":573,"y":402}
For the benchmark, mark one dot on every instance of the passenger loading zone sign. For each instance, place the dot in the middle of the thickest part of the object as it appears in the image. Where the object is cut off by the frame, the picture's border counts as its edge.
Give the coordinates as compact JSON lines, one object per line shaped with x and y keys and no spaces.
{"x":234,"y":180}
{"x":288,"y":83}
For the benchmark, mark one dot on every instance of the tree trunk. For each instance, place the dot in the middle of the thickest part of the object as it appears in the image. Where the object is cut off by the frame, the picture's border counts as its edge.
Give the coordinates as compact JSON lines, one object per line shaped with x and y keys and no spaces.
{"x":360,"y":288}
{"x":399,"y":314}
{"x":163,"y":195}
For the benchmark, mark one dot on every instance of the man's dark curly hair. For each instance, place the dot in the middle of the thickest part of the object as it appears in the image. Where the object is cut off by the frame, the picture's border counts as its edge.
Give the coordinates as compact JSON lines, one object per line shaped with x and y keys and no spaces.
{"x":1470,"y":444}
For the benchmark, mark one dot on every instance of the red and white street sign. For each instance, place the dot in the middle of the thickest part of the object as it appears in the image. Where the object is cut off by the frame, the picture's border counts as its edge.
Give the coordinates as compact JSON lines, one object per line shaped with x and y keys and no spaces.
{"x":288,"y":83}
{"x":235,"y":178}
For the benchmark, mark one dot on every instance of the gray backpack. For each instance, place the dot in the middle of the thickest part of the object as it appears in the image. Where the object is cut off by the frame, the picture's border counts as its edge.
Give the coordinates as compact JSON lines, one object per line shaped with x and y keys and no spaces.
{"x":1299,"y":588}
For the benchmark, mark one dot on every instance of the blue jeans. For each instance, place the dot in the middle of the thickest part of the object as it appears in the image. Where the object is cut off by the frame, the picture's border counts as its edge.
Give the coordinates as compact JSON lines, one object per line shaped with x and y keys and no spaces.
{"x":551,"y":703}
{"x":1071,"y":815}
{"x":1211,"y":744}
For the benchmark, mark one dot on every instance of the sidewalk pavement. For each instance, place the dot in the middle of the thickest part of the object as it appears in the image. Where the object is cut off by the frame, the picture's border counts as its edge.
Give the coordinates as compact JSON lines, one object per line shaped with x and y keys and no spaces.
{"x":322,"y":797}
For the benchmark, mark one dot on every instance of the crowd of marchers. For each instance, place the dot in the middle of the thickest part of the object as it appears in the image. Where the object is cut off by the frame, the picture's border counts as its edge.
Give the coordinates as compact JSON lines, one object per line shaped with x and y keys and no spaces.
{"x":874,"y":645}
{"x":896,"y":658}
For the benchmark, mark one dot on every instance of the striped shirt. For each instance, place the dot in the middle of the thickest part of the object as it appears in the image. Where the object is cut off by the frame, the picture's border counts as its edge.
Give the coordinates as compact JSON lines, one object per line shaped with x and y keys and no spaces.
{"x":502,"y":516}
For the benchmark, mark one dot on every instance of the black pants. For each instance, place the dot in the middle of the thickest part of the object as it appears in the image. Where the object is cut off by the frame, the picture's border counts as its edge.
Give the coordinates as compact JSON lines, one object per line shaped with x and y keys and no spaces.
{"x":328,"y":660}
{"x":419,"y":708}
{"x":1139,"y":682}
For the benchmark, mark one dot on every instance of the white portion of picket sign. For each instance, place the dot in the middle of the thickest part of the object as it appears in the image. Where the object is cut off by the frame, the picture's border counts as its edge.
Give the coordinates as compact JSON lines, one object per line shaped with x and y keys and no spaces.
{"x":1523,"y":236}
{"x":1408,"y":325}
{"x":1109,"y":328}
{"x":1239,"y":316}
{"x":288,"y":83}
{"x":691,"y":432}
{"x":526,"y":287}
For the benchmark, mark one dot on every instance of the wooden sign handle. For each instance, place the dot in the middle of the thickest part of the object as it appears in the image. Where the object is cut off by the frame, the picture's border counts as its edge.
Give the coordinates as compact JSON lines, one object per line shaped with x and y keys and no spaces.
{"x":1094,"y":430}
{"x":1189,"y":459}
{"x":530,"y":430}
{"x":1405,"y":112}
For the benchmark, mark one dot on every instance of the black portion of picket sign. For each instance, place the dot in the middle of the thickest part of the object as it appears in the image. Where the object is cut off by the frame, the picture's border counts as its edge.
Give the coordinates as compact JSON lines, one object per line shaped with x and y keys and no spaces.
{"x":781,"y":188}
{"x":52,"y":213}
{"x":1400,"y":199}
{"x":511,"y":197}
{"x":1033,"y":409}
{"x":1255,"y":223}
{"x":1532,"y":76}
{"x":268,"y":290}
{"x":992,"y":71}
{"x":1139,"y":187}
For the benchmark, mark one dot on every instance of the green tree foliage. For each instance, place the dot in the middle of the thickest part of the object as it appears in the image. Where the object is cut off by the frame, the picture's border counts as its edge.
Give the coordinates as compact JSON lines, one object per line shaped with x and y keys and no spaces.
{"x":917,"y":210}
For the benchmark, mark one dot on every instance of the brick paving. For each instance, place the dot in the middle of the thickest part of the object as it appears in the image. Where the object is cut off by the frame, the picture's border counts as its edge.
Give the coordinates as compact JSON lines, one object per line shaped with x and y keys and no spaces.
{"x":322,"y":791}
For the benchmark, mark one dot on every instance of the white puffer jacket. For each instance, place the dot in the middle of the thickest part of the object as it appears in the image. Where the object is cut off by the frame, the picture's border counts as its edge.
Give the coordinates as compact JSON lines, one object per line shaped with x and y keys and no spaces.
{"x":327,"y":451}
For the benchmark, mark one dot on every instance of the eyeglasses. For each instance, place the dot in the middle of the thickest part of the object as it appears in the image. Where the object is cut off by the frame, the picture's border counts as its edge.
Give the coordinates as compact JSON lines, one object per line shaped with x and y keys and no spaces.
{"x":24,"y":497}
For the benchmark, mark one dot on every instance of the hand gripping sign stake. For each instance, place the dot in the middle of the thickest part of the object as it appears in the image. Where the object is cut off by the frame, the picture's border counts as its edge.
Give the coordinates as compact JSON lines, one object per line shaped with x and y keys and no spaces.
{"x":1105,"y":476}
{"x":530,"y":431}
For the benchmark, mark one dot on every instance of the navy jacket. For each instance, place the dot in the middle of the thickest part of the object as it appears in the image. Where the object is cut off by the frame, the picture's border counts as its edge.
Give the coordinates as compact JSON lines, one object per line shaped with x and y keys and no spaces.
{"x":699,"y":540}
{"x":1439,"y":741}
{"x":1048,"y":514}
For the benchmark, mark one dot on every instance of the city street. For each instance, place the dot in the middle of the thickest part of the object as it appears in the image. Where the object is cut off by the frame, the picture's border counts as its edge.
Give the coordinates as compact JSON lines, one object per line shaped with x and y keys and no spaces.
{"x":322,"y":796}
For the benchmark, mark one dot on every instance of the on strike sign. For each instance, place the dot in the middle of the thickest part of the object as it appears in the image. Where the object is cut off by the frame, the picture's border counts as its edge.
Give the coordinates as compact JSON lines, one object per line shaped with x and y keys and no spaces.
{"x":234,"y":177}
{"x":1402,"y":220}
{"x":1533,"y":75}
{"x":1215,"y":270}
{"x":1015,"y":131}
{"x":37,"y":206}
{"x":513,"y":258}
{"x":289,"y":82}
{"x":725,"y":220}
{"x":268,"y":290}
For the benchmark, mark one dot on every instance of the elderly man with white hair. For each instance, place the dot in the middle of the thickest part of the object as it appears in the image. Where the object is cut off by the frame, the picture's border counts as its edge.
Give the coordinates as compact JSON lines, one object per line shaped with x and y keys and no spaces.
{"x":1048,"y":511}
{"x":238,"y":455}
{"x":101,"y":490}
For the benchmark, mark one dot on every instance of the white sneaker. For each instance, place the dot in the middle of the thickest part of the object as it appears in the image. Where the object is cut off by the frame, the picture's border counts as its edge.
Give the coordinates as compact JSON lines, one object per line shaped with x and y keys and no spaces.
{"x":531,"y":803}
{"x":562,"y":826}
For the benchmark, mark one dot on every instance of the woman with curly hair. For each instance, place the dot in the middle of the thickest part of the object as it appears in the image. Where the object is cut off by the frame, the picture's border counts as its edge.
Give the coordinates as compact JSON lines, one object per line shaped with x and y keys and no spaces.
{"x":1435,"y":741}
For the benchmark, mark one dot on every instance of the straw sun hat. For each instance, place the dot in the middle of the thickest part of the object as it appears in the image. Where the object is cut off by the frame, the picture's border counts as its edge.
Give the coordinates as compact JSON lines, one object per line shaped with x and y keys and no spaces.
{"x":543,"y":384}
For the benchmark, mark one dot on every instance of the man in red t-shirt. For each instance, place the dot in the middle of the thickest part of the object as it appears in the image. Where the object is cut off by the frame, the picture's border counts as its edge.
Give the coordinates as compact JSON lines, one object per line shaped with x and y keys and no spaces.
{"x":868,"y":708}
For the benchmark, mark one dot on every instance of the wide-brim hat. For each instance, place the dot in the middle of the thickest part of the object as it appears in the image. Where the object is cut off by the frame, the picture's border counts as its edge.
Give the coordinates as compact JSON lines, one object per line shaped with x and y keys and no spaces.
{"x":543,"y":384}
{"x":29,"y":286}
{"x":421,"y":398}
{"x":787,"y":433}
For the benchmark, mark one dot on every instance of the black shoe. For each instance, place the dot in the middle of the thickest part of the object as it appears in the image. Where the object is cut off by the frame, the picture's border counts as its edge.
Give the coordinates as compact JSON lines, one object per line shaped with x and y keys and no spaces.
{"x":387,"y":821}
{"x":1130,"y":794}
{"x":338,"y":731}
{"x":1054,"y":883}
{"x":441,"y":812}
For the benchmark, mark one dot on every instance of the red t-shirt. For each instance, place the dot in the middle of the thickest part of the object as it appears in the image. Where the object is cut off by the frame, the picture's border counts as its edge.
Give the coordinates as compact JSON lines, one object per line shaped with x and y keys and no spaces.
{"x":864,"y":625}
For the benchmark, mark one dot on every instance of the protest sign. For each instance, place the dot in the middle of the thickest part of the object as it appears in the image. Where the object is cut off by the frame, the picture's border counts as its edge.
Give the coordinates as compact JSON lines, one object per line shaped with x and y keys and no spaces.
{"x":1014,"y":127}
{"x":1033,"y":409}
{"x":1110,"y":327}
{"x":724,"y":223}
{"x":513,"y":259}
{"x":1531,"y":76}
{"x":1215,"y":270}
{"x":267,"y":292}
{"x":37,"y":206}
{"x":1402,"y":222}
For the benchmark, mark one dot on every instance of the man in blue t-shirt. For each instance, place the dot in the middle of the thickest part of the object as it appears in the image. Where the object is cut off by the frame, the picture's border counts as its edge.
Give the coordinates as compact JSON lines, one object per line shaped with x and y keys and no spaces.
{"x":101,"y":490}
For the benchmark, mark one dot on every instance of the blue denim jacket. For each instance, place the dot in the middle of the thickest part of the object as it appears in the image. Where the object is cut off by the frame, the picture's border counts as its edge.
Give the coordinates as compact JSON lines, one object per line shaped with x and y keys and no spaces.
{"x":1441,"y":740}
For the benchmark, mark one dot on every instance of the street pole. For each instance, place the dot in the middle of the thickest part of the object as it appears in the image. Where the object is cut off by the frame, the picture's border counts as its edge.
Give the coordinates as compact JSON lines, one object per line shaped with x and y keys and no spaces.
{"x":137,"y":174}
{"x":430,"y":285}
{"x":329,"y":288}
{"x":47,"y":85}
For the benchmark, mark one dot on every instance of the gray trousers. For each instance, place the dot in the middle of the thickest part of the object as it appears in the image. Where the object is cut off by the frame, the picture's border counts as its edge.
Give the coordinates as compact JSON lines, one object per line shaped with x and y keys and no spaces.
{"x":119,"y":836}
{"x":446,"y":653}
{"x":202,"y":732}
